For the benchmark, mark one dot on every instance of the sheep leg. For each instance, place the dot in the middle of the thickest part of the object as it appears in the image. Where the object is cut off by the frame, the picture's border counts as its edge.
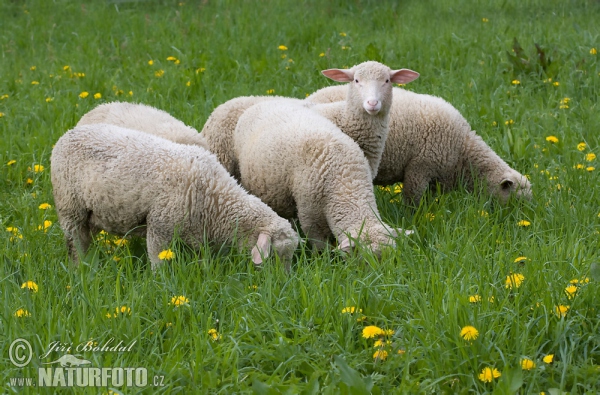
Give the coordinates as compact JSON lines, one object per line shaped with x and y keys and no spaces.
{"x":416,"y":181}
{"x":78,"y":239}
{"x":314,"y":227}
{"x":157,"y":240}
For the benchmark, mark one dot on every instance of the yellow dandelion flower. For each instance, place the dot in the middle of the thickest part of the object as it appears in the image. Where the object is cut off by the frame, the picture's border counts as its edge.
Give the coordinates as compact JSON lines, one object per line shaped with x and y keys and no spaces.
{"x":350,"y":310}
{"x":469,"y":333}
{"x":177,"y":61}
{"x":484,"y":213}
{"x":583,"y":280}
{"x":593,"y":51}
{"x":527,"y":364}
{"x":22,"y":313}
{"x":485,"y":20}
{"x":372,"y":331}
{"x":11,"y":162}
{"x":382,"y":343}
{"x":1,"y":114}
{"x":32,"y":68}
{"x":122,"y":310}
{"x":514,"y":280}
{"x":590,"y":168}
{"x":491,"y":299}
{"x":516,"y":82}
{"x":361,"y":318}
{"x":45,"y":226}
{"x":29,"y":181}
{"x":166,"y":255}
{"x":97,"y":96}
{"x":49,"y":99}
{"x":509,"y":122}
{"x":552,"y":139}
{"x":283,"y":56}
{"x":35,"y":83}
{"x":282,"y":47}
{"x":189,"y":83}
{"x":430,"y":216}
{"x":44,"y":206}
{"x":590,"y":157}
{"x":322,"y":54}
{"x":474,"y":298}
{"x":214,"y":334}
{"x":520,"y":259}
{"x":80,"y":75}
{"x":159,"y":73}
{"x":523,"y":223}
{"x":4,"y":97}
{"x":579,"y":166}
{"x":171,"y":58}
{"x":342,"y":34}
{"x":179,"y":300}
{"x":270,"y":91}
{"x":556,"y":83}
{"x":401,"y":351}
{"x":84,"y":94}
{"x":571,"y":290}
{"x":65,"y":68}
{"x":150,"y":62}
{"x":561,"y":310}
{"x":130,"y":93}
{"x":30,"y":285}
{"x":37,"y":168}
{"x":548,"y":358}
{"x":121,"y":242}
{"x":581,"y":146}
{"x":488,"y":375}
{"x":200,"y":70}
{"x":380,"y":355}
{"x":563,"y":106}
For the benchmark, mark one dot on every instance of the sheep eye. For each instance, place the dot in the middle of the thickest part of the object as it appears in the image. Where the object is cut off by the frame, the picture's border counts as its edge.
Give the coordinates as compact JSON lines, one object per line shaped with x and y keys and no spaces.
{"x":386,"y":81}
{"x":356,"y":81}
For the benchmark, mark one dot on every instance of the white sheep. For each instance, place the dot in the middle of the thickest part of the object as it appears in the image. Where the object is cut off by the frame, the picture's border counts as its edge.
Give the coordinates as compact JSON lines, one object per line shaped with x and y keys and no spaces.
{"x":363,"y":116}
{"x":146,"y":119}
{"x":430,"y":141}
{"x":128,"y":182}
{"x":302,"y":165}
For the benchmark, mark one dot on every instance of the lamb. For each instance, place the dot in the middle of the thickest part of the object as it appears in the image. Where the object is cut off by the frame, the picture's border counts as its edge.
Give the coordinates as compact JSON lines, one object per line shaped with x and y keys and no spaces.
{"x":363,"y":116}
{"x":128,"y":182}
{"x":321,"y":176}
{"x":146,"y":119}
{"x":430,"y":141}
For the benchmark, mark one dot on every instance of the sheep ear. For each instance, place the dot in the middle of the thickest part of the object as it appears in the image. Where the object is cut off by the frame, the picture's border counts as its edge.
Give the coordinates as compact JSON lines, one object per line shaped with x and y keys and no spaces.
{"x":506,"y":184}
{"x":262,"y":249}
{"x":339,"y":75}
{"x":403,"y":76}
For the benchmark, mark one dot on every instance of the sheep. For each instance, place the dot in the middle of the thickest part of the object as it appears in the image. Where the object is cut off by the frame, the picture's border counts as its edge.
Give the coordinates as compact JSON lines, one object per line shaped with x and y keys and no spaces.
{"x":146,"y":119}
{"x":302,"y":165}
{"x":430,"y":141}
{"x":363,"y":116}
{"x":128,"y":182}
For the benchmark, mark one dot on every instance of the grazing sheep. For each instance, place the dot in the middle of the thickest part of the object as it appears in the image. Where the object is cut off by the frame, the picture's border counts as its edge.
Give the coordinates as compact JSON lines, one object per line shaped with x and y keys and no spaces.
{"x":363,"y":116}
{"x":430,"y":141}
{"x":303,"y":166}
{"x":126,"y":181}
{"x":145,"y":119}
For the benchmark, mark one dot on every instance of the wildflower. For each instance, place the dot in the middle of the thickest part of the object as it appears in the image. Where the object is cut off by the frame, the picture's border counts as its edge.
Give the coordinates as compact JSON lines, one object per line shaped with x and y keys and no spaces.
{"x":552,"y":139}
{"x":581,"y":146}
{"x":200,"y":70}
{"x":523,"y":223}
{"x":488,"y":375}
{"x":593,"y":51}
{"x":65,"y":68}
{"x":322,"y":54}
{"x":579,"y":166}
{"x":571,"y":290}
{"x":556,"y":83}
{"x":520,"y":259}
{"x":214,"y":334}
{"x":179,"y":300}
{"x":282,"y":47}
{"x":37,"y":168}
{"x":171,"y":58}
{"x":45,"y":226}
{"x":342,"y":34}
{"x":381,"y":343}
{"x":474,"y":298}
{"x":270,"y":91}
{"x":548,"y":358}
{"x":177,"y":61}
{"x":121,"y":242}
{"x":254,"y":287}
{"x":561,"y":310}
{"x":590,"y":168}
{"x":485,"y":20}
{"x":345,"y":47}
{"x":350,"y":310}
{"x":32,"y":68}
{"x":514,"y":280}
{"x":430,"y":216}
{"x":509,"y":122}
{"x":3,"y":97}
{"x":491,"y":299}
{"x":361,"y":318}
{"x":582,"y":281}
{"x":150,"y":62}
{"x":123,"y":310}
{"x":79,"y":75}
{"x":29,"y":181}
{"x":371,"y":331}
{"x":401,"y":351}
{"x":49,"y":99}
{"x":11,"y":162}
{"x":22,"y":313}
{"x":381,"y":355}
{"x":35,"y":83}
{"x":189,"y":83}
{"x":130,"y":93}
{"x":516,"y":82}
{"x":159,"y":73}
{"x":84,"y":94}
{"x":166,"y":255}
{"x":484,"y":213}
{"x":97,"y":96}
{"x":44,"y":206}
{"x":527,"y":364}
{"x":30,"y":285}
{"x":469,"y":333}
{"x":590,"y":157}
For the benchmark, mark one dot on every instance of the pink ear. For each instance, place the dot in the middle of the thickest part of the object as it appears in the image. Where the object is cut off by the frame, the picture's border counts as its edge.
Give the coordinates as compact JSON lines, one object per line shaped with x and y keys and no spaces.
{"x":403,"y":76}
{"x":339,"y":75}
{"x":262,"y":249}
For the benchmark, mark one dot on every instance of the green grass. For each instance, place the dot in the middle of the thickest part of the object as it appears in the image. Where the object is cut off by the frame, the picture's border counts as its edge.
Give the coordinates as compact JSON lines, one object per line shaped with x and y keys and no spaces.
{"x":284,"y":333}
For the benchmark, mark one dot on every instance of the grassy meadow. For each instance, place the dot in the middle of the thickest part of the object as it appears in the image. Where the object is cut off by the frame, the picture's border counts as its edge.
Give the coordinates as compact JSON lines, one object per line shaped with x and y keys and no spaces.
{"x":478,"y":289}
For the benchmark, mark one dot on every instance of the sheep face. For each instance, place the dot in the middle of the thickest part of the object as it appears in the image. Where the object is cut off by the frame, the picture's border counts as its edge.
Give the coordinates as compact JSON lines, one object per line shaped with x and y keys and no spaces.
{"x":515,"y":184}
{"x":377,"y":237}
{"x":371,"y":84}
{"x":284,"y":241}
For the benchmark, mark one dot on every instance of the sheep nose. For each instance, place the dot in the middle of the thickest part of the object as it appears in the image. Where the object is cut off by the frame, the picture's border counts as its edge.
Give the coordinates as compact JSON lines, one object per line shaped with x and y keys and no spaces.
{"x":372,"y":103}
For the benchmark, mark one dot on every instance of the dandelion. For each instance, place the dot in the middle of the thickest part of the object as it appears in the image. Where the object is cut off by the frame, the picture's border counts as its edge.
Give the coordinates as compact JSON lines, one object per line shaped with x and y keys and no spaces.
{"x":350,"y":310}
{"x":45,"y":226}
{"x":30,"y":285}
{"x":488,"y":375}
{"x":552,"y":139}
{"x":361,"y":318}
{"x":11,"y":162}
{"x":430,"y":216}
{"x":122,"y":310}
{"x":509,"y":122}
{"x":590,"y":168}
{"x":523,"y":223}
{"x":581,"y":146}
{"x":372,"y":331}
{"x":4,"y":97}
{"x":150,"y":62}
{"x":571,"y":290}
{"x":382,"y":343}
{"x":593,"y":51}
{"x":32,"y":68}
{"x":84,"y":94}
{"x":189,"y":83}
{"x":514,"y":280}
{"x":214,"y":334}
{"x":66,"y":68}
{"x":179,"y":300}
{"x":37,"y":168}
{"x":474,"y":298}
{"x":484,"y":213}
{"x":583,"y":280}
{"x":561,"y":310}
{"x":270,"y":91}
{"x":322,"y":54}
{"x":520,"y":259}
{"x":79,"y":75}
{"x":200,"y":70}
{"x":44,"y":206}
{"x":548,"y":358}
{"x":35,"y":83}
{"x":579,"y":166}
{"x":282,"y":48}
{"x":130,"y":93}
{"x":97,"y":96}
{"x":590,"y":157}
{"x":527,"y":364}
{"x":342,"y":34}
{"x":171,"y":58}
{"x":380,"y":355}
{"x":485,"y":20}
{"x":159,"y":73}
{"x":516,"y":82}
{"x":121,"y":242}
{"x":1,"y":114}
{"x":556,"y":83}
{"x":49,"y":99}
{"x":469,"y":333}
{"x":166,"y":255}
{"x":22,"y":313}
{"x":29,"y":181}
{"x":345,"y":47}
